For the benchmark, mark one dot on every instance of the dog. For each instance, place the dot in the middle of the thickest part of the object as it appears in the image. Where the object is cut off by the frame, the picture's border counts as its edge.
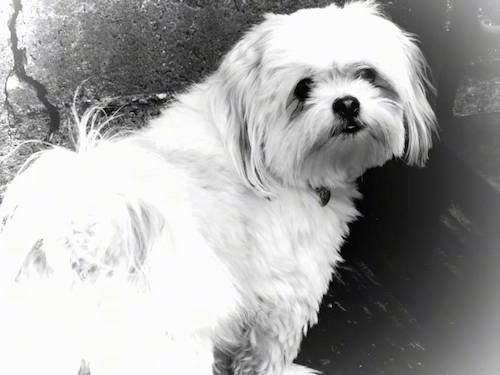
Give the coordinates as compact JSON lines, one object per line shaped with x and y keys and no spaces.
{"x":203,"y":243}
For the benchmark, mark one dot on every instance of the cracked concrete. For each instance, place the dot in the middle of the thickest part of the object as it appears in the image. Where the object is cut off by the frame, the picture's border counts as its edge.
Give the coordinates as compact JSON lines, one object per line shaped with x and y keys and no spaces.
{"x":6,"y":60}
{"x":18,"y":70}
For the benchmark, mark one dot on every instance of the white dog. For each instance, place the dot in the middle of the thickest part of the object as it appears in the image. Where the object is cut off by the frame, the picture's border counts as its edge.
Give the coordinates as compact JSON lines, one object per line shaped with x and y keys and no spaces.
{"x":205,"y":242}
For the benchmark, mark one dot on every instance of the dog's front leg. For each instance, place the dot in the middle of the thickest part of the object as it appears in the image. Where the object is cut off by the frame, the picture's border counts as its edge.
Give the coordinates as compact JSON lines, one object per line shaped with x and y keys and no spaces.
{"x":270,"y":343}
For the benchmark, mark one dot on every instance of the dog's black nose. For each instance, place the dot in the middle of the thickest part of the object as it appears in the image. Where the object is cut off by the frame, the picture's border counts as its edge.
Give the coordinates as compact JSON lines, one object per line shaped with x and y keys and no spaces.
{"x":346,"y":106}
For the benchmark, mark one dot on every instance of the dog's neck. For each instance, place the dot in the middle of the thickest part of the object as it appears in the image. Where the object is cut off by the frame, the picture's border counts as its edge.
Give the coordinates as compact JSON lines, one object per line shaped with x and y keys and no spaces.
{"x":324,"y":193}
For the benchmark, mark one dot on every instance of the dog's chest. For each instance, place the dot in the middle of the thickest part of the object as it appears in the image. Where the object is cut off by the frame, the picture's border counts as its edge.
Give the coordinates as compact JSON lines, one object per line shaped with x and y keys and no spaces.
{"x":295,"y":245}
{"x":281,"y":250}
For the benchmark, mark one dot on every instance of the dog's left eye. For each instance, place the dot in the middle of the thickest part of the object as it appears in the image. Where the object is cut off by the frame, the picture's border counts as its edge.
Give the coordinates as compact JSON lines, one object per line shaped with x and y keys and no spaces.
{"x":303,"y":89}
{"x":367,"y":74}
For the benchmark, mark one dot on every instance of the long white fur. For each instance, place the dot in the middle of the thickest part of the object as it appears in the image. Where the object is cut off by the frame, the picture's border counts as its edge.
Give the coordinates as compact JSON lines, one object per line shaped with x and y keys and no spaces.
{"x":200,"y":240}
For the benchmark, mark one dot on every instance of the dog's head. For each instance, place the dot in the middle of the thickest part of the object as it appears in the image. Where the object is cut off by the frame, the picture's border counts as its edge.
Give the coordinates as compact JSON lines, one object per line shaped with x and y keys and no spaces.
{"x":316,"y":97}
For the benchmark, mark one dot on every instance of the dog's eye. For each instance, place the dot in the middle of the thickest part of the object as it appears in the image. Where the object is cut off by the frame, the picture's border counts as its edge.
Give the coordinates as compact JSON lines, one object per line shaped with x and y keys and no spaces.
{"x":367,"y":74}
{"x":303,"y":89}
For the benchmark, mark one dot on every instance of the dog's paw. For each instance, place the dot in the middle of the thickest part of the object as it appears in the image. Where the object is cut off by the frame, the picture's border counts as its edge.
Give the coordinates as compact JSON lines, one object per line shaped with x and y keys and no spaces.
{"x":294,"y":369}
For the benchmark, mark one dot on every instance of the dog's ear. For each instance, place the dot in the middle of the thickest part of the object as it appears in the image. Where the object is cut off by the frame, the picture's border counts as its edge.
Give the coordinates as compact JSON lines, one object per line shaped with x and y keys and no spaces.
{"x":239,"y":79}
{"x":419,"y":117}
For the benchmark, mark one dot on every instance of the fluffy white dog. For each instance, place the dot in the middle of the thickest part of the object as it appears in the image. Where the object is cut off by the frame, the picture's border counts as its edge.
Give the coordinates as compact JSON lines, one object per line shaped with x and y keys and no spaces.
{"x":205,"y":242}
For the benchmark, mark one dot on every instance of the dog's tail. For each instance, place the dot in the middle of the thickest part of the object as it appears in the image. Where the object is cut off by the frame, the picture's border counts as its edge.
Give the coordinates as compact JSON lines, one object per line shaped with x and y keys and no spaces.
{"x":100,"y":260}
{"x":68,"y":221}
{"x":62,"y":202}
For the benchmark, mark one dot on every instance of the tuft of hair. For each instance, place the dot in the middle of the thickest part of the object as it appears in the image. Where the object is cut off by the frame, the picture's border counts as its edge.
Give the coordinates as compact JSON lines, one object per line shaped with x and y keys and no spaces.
{"x":420,"y":118}
{"x":93,"y":125}
{"x":76,"y":207}
{"x":244,"y":136}
{"x":371,"y":6}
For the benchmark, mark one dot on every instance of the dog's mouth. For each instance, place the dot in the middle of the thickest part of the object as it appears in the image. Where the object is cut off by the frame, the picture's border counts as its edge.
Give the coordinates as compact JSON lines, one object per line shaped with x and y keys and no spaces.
{"x":349,"y":126}
{"x":352,"y":126}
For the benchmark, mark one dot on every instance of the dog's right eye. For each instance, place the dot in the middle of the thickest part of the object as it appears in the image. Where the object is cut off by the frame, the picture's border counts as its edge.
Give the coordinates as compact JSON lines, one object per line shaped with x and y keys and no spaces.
{"x":367,"y":74}
{"x":303,"y":89}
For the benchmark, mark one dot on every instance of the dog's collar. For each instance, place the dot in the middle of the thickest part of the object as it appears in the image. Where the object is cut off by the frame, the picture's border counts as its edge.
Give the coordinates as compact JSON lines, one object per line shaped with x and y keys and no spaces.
{"x":324,"y":194}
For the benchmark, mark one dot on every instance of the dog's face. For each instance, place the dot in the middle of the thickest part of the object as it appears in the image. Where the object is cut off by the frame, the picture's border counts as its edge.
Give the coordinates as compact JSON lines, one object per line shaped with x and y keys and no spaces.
{"x":317,"y":97}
